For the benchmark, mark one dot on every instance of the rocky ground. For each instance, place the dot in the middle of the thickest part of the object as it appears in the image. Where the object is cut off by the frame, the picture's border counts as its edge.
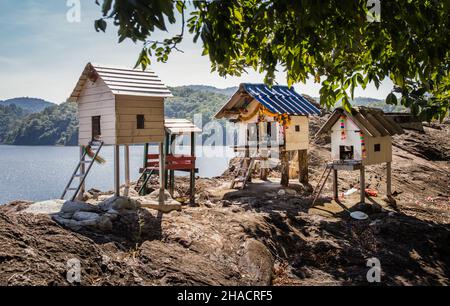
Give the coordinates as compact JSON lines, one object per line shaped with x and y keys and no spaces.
{"x":262,"y":235}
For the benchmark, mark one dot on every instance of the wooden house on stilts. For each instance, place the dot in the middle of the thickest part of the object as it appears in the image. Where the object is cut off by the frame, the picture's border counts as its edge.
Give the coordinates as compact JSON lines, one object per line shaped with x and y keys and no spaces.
{"x":119,"y":107}
{"x":271,"y":121}
{"x":359,"y":138}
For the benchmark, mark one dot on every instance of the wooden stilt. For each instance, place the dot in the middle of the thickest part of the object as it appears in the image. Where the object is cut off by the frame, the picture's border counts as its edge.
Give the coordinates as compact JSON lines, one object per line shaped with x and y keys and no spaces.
{"x":144,"y":179}
{"x":389,"y":179}
{"x":303,"y":166}
{"x":192,"y":174}
{"x":335,"y":185}
{"x":284,"y":159}
{"x":362,"y":182}
{"x":82,"y":173}
{"x":172,"y":172}
{"x":127,"y":169}
{"x":116,"y":171}
{"x":162,"y":171}
{"x":166,"y":152}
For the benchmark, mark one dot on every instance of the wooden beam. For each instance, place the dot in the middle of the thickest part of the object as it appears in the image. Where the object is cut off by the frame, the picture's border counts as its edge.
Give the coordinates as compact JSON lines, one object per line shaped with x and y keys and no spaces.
{"x":192,"y":173}
{"x":172,"y":172}
{"x":362,"y":184}
{"x":127,"y":169}
{"x":284,"y":160}
{"x":117,"y":170}
{"x":303,"y":166}
{"x":335,"y":185}
{"x":389,"y":179}
{"x":162,"y":176}
{"x":82,"y":172}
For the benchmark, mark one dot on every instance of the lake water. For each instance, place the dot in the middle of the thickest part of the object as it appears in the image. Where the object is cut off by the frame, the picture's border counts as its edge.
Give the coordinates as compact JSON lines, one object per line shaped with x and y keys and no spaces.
{"x":41,"y":172}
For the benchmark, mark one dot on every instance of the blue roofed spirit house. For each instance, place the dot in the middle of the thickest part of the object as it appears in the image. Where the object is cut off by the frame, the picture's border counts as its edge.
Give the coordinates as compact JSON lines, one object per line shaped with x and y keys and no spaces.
{"x":271,"y":122}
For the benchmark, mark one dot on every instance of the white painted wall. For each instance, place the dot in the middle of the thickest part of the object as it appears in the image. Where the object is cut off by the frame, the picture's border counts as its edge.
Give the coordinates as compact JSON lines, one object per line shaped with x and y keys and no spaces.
{"x":353,"y":139}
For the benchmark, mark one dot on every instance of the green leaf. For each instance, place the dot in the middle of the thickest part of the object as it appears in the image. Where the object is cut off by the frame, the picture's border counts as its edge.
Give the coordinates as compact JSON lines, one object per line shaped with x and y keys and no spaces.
{"x":391,"y":99}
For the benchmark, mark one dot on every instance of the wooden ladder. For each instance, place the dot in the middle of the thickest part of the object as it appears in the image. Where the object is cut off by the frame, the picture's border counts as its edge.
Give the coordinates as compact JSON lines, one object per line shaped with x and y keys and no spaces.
{"x":96,"y":146}
{"x":244,"y":172}
{"x":321,"y":183}
{"x":143,"y":180}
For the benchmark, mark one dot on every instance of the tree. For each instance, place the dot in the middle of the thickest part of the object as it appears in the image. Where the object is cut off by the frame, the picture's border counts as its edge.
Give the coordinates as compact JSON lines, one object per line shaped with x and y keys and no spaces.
{"x":331,"y":41}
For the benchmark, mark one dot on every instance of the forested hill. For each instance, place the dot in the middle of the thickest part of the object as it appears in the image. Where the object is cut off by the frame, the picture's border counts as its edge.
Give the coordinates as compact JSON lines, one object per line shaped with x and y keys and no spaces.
{"x":30,"y":105}
{"x":58,"y":124}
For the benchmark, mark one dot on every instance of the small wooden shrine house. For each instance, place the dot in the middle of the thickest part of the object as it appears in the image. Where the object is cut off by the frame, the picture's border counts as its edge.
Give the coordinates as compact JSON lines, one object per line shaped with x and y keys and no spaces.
{"x":360,"y":138}
{"x":117,"y":106}
{"x":269,"y":118}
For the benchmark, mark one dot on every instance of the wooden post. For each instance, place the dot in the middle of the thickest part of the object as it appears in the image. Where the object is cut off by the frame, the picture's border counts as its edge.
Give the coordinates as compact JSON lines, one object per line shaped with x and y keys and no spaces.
{"x":127,"y":169}
{"x":284,"y":159}
{"x":166,"y":172}
{"x":82,"y":172}
{"x":162,"y":171}
{"x":335,"y":185}
{"x":144,"y":190}
{"x":172,"y":172}
{"x":192,"y":174}
{"x":303,"y":166}
{"x":116,"y":171}
{"x":389,"y":179}
{"x":362,"y":184}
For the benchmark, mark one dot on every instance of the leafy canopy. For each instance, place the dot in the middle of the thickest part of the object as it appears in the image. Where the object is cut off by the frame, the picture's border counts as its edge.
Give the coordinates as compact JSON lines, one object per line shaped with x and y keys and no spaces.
{"x":330,"y":41}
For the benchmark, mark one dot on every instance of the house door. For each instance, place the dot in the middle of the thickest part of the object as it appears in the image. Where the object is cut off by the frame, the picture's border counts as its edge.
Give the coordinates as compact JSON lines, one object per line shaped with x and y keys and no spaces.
{"x":346,"y":152}
{"x":96,"y":129}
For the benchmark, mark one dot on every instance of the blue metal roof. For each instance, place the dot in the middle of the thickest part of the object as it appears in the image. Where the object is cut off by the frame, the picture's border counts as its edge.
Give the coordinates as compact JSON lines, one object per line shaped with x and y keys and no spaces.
{"x":281,"y":99}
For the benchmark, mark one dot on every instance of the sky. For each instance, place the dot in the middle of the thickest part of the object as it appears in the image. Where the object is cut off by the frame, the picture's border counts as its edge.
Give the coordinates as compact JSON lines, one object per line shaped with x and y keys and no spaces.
{"x":42,"y":54}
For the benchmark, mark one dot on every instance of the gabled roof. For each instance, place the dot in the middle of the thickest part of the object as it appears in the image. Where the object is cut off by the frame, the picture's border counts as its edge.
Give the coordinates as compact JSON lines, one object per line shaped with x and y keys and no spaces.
{"x":180,"y":126}
{"x":277,"y":99}
{"x":371,"y":121}
{"x":122,"y":81}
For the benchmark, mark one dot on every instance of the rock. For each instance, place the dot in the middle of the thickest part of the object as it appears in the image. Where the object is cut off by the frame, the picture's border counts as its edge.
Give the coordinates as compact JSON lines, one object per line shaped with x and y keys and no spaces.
{"x":281,"y":192}
{"x":104,"y":223}
{"x":45,"y":207}
{"x":226,"y":203}
{"x":69,"y":223}
{"x":85,"y":216}
{"x":72,"y":207}
{"x":256,"y":263}
{"x":155,"y":195}
{"x":66,"y":215}
{"x":291,"y":192}
{"x":119,"y":203}
{"x":164,"y":208}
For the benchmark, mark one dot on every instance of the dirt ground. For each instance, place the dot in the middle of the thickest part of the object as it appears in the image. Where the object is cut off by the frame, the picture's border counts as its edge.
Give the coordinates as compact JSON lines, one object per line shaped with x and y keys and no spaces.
{"x":259,"y":235}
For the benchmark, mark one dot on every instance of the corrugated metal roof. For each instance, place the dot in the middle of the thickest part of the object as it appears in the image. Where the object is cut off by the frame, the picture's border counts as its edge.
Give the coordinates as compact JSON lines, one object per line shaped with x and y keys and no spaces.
{"x":180,"y":126}
{"x":371,"y":121}
{"x":277,"y":99}
{"x":123,"y":81}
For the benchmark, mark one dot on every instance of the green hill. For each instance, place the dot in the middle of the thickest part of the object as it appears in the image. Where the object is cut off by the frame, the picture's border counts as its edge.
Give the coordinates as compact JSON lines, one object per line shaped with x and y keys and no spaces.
{"x":30,"y":105}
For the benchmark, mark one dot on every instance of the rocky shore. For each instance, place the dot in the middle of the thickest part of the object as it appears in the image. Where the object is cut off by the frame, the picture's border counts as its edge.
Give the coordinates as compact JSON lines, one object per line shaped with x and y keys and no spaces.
{"x":264,"y":235}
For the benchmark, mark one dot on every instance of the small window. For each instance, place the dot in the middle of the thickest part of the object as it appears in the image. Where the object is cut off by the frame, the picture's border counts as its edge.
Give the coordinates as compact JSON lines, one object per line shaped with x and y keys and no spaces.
{"x":377,"y":147}
{"x":140,"y":122}
{"x":269,"y":129}
{"x":297,"y":128}
{"x":96,"y":129}
{"x":346,"y":152}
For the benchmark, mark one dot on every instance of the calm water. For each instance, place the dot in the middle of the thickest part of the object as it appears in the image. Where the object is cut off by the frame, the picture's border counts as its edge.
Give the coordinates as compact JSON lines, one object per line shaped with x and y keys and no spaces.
{"x":41,"y":173}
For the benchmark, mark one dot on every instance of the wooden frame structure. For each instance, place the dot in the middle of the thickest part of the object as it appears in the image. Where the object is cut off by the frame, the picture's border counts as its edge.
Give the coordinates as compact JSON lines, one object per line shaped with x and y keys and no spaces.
{"x":172,"y":161}
{"x":270,"y":118}
{"x":128,"y":108}
{"x":368,"y":133}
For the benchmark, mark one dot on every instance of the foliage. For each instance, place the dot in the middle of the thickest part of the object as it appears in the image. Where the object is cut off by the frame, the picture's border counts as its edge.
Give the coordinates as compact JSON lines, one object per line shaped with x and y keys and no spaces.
{"x":56,"y":125}
{"x":10,"y":115}
{"x":329,"y":41}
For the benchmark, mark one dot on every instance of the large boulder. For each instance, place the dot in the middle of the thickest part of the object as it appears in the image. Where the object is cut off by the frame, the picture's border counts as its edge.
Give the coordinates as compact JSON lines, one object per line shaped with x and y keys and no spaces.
{"x":119,"y":203}
{"x":257,"y":263}
{"x":73,"y":207}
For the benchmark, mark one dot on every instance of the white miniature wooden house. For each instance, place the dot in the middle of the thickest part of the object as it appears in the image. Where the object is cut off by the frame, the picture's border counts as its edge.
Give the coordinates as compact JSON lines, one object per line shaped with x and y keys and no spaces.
{"x":270,"y":118}
{"x":120,"y":106}
{"x":359,"y":138}
{"x":364,"y":135}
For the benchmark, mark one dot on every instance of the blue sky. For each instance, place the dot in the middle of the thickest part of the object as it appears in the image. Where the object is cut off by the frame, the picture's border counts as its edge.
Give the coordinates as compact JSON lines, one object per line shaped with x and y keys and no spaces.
{"x":42,"y":54}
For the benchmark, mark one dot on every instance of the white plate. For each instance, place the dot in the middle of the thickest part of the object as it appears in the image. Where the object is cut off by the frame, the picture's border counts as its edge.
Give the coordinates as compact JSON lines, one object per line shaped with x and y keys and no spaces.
{"x":359,"y":215}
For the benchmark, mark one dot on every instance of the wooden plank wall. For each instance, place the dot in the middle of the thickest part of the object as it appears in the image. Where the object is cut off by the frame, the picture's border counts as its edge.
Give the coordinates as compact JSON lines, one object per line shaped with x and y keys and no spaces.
{"x":96,"y":99}
{"x":298,"y":140}
{"x":127,"y":108}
